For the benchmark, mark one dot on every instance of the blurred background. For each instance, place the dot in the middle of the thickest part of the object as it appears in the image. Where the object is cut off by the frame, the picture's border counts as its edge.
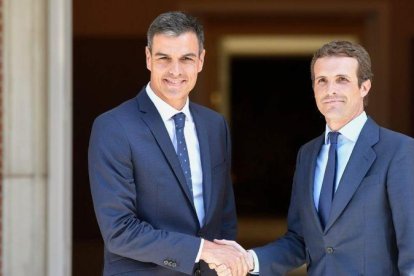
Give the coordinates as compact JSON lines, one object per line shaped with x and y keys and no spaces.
{"x":256,"y":73}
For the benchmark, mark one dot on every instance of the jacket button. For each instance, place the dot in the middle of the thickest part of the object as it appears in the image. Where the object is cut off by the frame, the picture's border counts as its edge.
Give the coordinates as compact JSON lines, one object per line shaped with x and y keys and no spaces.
{"x":173,"y":264}
{"x":166,"y":262}
{"x":330,"y":250}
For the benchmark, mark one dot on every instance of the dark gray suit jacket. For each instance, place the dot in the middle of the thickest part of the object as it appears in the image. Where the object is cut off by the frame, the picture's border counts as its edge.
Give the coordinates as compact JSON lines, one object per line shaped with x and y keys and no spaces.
{"x":144,"y":208}
{"x":370,"y":230}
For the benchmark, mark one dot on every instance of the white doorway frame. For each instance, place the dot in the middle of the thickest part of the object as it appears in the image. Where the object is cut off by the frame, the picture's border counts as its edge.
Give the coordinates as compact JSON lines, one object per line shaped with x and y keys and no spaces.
{"x":262,"y":45}
{"x":59,"y":211}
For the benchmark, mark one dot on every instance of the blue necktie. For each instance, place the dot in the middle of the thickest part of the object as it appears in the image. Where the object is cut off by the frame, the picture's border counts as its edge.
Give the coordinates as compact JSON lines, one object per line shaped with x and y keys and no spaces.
{"x":182,"y":153}
{"x":328,"y":184}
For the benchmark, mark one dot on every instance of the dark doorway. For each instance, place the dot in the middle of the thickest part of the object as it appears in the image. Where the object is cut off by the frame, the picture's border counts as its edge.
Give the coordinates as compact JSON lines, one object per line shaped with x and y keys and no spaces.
{"x":273,"y":113}
{"x":106,"y":72}
{"x":412,"y":87}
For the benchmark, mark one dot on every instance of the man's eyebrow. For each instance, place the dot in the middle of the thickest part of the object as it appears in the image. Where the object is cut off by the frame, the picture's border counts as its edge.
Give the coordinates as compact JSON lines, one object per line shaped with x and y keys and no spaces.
{"x":190,"y":55}
{"x":166,"y":55}
{"x":160,"y":54}
{"x":338,"y":75}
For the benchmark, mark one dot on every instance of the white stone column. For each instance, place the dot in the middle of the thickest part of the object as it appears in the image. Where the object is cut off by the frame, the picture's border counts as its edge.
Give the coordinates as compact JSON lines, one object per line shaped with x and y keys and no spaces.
{"x":25,"y":137}
{"x":37,"y":138}
{"x":60,"y":139}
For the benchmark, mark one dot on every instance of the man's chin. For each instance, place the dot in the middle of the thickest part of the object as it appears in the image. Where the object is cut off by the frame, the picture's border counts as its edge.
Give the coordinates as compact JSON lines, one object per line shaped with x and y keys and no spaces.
{"x":333,"y":115}
{"x":178,"y":92}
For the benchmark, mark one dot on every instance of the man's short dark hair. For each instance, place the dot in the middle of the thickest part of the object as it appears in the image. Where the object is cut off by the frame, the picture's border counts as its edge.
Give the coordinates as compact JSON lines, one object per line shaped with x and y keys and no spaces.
{"x":346,"y":49}
{"x":175,"y":23}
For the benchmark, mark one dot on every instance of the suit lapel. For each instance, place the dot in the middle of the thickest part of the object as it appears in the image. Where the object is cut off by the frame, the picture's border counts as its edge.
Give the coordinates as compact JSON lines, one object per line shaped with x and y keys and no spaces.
{"x":311,"y":180}
{"x":361,"y":160}
{"x":202,"y":135}
{"x":153,"y":120}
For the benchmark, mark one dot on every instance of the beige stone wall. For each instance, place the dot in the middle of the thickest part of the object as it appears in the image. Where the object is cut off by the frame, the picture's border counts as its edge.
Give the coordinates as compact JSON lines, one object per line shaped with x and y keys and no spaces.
{"x":35,"y":39}
{"x":24,"y":137}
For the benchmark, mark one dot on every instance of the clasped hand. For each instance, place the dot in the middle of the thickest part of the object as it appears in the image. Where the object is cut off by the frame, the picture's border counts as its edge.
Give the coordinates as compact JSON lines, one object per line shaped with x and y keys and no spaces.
{"x":227,"y":258}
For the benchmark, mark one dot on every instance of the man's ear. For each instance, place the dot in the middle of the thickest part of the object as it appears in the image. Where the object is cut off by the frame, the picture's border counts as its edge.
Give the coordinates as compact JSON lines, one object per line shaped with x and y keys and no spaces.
{"x":148,"y":57}
{"x":365,"y":87}
{"x":201,"y":60}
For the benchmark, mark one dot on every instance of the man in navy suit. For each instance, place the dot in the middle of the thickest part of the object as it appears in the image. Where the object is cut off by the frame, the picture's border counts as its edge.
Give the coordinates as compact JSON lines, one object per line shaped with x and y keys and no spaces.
{"x":352,"y":203}
{"x":159,"y":168}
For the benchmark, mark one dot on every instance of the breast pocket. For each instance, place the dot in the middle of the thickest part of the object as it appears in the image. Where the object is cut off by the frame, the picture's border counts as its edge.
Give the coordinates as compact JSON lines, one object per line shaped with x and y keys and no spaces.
{"x":372,"y":179}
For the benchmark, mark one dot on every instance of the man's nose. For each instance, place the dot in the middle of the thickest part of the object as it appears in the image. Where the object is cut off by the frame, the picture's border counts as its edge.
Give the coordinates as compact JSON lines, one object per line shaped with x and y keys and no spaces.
{"x":175,"y":68}
{"x":331,"y":88}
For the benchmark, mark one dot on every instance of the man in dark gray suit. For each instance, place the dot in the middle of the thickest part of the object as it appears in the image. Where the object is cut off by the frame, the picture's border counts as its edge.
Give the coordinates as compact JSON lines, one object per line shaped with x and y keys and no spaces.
{"x":352,"y":203}
{"x":159,"y":168}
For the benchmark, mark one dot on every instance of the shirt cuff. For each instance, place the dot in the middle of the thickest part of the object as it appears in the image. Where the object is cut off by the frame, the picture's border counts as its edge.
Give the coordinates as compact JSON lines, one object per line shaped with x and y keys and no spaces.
{"x":199,"y":251}
{"x":255,"y":271}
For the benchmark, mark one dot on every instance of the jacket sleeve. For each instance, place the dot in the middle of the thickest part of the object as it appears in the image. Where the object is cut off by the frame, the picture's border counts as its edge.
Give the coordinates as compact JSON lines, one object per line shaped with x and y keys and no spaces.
{"x":114,"y":195}
{"x":400,"y":187}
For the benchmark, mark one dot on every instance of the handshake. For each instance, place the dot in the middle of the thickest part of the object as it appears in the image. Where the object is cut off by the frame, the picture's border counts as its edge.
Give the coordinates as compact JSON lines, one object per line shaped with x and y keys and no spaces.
{"x":227,"y":258}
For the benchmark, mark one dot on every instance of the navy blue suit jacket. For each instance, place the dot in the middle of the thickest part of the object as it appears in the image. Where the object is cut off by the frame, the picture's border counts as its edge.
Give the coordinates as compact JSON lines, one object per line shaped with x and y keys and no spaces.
{"x":370,"y":230}
{"x":144,"y":208}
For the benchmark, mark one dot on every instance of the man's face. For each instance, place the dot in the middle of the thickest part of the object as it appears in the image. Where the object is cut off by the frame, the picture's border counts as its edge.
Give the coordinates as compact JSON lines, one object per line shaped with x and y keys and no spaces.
{"x":174,"y":62}
{"x":337,"y":94}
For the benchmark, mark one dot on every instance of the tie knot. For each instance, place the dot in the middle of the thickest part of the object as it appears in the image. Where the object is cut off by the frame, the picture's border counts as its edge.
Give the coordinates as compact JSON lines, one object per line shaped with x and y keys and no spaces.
{"x":333,"y":137}
{"x":179,"y":120}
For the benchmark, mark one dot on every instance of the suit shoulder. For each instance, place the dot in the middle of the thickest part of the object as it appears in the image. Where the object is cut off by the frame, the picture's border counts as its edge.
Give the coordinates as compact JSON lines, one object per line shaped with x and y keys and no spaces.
{"x":119,"y":113}
{"x":399,"y":141}
{"x":116,"y":121}
{"x":390,"y":135}
{"x":394,"y":145}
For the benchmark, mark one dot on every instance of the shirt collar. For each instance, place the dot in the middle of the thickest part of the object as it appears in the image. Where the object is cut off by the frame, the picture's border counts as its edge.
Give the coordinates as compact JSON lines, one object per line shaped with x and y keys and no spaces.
{"x":167,"y":111}
{"x":351,"y":130}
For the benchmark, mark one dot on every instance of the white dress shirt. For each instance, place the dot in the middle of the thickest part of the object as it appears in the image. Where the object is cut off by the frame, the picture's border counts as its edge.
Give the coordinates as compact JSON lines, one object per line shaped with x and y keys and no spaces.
{"x":346,"y":143}
{"x":167,"y":112}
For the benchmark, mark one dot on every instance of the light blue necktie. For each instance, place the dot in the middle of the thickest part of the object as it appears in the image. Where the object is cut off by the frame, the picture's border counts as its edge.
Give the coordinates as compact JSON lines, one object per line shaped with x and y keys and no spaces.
{"x":328,"y":184}
{"x":182,"y":153}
